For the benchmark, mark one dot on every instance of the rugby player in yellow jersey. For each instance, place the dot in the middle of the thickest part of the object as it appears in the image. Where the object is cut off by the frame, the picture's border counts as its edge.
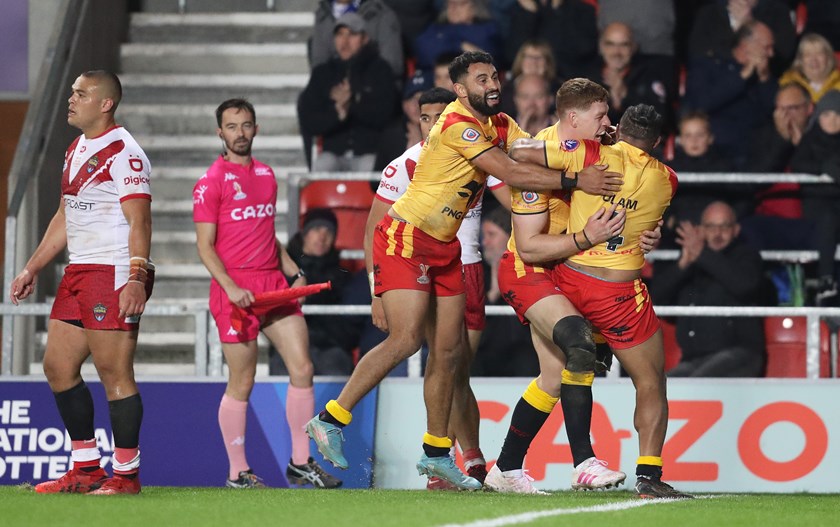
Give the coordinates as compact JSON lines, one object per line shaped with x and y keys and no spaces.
{"x":603,"y":279}
{"x":418,"y":258}
{"x":539,"y":240}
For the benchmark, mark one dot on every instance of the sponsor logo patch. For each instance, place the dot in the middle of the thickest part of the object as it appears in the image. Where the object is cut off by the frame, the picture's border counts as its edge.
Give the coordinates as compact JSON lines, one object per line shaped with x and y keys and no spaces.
{"x":99,"y":312}
{"x":570,"y":145}
{"x":239,"y":194}
{"x":529,"y":197}
{"x":471,"y":135}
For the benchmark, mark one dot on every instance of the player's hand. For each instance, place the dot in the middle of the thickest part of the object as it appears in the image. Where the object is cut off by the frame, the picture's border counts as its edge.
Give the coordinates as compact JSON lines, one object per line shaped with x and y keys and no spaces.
{"x":132,"y":300}
{"x":605,"y":224}
{"x":596,"y":180}
{"x":648,"y":240}
{"x":377,"y":314}
{"x":240,"y":297}
{"x":22,"y":286}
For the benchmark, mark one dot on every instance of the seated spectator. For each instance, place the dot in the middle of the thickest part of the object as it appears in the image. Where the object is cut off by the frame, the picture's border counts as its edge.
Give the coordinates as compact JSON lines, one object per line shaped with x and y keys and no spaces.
{"x":382,"y":24}
{"x":505,"y":349}
{"x":714,"y":269}
{"x":533,"y":58}
{"x":533,"y":99}
{"x":716,"y":24}
{"x":777,"y":222}
{"x":569,"y":27}
{"x":631,"y":78}
{"x":695,"y":152}
{"x":463,"y":25}
{"x":348,"y":100}
{"x":736,"y":91}
{"x":404,"y":130}
{"x":819,"y":153}
{"x":330,"y":339}
{"x":815,"y":67}
{"x":652,"y":22}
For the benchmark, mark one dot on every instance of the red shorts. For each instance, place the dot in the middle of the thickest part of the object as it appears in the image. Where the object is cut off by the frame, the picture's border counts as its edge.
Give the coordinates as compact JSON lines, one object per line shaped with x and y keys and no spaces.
{"x":256,"y":282}
{"x":89,"y":294}
{"x":407,"y":258}
{"x":474,"y":279}
{"x":621,"y":311}
{"x":522,"y":292}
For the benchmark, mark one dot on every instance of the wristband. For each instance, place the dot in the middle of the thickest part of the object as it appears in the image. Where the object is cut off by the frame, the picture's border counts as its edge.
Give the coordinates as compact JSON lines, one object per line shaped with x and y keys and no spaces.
{"x":299,"y":274}
{"x":137,"y":271}
{"x":568,"y":183}
{"x":371,"y":283}
{"x":587,"y":238}
{"x":574,"y":239}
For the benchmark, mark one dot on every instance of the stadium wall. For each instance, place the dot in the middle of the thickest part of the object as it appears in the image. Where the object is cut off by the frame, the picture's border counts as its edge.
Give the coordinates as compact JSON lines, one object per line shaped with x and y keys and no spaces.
{"x":762,"y":435}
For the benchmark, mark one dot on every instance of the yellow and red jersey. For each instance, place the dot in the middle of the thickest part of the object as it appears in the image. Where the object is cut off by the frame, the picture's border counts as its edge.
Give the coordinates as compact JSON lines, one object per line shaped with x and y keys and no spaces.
{"x":555,"y":202}
{"x":446,"y":183}
{"x":648,"y":188}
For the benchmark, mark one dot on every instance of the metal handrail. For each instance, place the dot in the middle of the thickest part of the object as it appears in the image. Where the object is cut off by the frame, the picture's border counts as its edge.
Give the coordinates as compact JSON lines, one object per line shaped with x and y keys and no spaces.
{"x":208,"y":355}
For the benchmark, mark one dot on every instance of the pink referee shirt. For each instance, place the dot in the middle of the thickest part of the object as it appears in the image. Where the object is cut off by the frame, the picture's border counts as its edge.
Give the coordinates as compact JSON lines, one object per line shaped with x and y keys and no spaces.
{"x":240,"y":200}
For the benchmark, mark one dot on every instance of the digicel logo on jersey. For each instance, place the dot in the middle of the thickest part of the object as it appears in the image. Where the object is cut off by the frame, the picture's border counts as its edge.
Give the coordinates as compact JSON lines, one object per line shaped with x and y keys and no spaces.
{"x":253,"y":211}
{"x":387,"y":186}
{"x":136,"y":180}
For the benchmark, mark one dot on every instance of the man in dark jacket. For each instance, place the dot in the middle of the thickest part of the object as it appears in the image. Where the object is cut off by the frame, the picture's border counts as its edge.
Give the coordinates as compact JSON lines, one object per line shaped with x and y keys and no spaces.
{"x":714,"y":269}
{"x":331,"y":339}
{"x":735,"y":90}
{"x":348,"y":101}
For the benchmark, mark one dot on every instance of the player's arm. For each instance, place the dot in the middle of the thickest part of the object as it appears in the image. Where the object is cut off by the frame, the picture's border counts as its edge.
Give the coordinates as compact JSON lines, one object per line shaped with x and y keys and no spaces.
{"x":205,"y":241}
{"x":535,"y":246}
{"x":592,"y":179}
{"x":378,"y":209}
{"x":289,"y":267}
{"x":138,"y":214}
{"x":53,"y":242}
{"x":502,"y":195}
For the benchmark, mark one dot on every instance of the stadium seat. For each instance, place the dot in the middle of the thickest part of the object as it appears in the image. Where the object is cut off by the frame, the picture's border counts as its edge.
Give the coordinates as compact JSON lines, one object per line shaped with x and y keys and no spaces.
{"x":350,"y":201}
{"x":786,"y":337}
{"x":673,"y":353}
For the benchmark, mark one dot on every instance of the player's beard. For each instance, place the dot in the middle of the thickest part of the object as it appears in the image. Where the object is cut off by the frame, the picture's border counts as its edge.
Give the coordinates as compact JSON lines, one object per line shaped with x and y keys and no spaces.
{"x":479,"y":103}
{"x":240,"y":148}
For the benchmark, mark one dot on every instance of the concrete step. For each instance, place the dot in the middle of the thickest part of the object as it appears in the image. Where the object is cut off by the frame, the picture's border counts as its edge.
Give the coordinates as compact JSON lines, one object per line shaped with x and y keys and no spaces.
{"x":226,"y":6}
{"x":178,"y":119}
{"x":193,"y":150}
{"x":214,"y":58}
{"x":171,"y":88}
{"x":255,"y":28}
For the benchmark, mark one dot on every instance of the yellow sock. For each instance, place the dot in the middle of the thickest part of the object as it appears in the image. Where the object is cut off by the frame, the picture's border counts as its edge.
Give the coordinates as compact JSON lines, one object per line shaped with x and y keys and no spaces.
{"x":649,"y":460}
{"x":341,"y":415}
{"x":539,"y":399}
{"x":578,"y":379}
{"x":435,"y":441}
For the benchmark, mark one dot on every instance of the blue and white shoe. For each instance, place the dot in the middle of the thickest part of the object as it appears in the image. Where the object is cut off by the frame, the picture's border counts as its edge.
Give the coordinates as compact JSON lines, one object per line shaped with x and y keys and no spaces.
{"x":444,"y":467}
{"x":328,"y":438}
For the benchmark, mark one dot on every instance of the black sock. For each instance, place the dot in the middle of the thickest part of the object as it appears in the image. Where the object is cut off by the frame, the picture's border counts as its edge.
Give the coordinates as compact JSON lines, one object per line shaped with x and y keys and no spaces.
{"x":327,"y":417}
{"x":649,"y":471}
{"x":126,"y":416}
{"x":524,"y":425}
{"x":576,"y":401}
{"x":435,"y":451}
{"x":76,"y":409}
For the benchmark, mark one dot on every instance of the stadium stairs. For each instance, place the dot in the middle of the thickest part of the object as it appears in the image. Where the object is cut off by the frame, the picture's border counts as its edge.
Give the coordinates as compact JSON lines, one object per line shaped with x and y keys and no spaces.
{"x":175,"y":69}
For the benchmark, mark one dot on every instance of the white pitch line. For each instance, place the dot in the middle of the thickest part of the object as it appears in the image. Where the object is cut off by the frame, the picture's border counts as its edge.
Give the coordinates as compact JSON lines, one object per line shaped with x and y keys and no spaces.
{"x":527,"y":517}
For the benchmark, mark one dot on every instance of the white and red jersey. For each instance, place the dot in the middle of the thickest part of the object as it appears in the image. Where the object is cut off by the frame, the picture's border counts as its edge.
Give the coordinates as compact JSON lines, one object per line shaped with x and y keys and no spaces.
{"x":240,"y":200}
{"x":98,"y":175}
{"x":394,"y":181}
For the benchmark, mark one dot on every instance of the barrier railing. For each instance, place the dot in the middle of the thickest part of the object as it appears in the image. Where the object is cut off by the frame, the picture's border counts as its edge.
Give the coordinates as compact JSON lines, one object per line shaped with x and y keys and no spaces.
{"x":208,"y":353}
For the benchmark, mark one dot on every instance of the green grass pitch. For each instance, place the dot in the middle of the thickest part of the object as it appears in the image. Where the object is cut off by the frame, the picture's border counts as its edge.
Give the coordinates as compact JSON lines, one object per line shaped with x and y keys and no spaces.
{"x":171,"y":506}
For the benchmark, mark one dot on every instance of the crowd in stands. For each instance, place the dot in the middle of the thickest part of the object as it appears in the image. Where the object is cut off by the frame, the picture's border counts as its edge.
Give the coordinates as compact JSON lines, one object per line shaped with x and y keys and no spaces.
{"x":744,"y":86}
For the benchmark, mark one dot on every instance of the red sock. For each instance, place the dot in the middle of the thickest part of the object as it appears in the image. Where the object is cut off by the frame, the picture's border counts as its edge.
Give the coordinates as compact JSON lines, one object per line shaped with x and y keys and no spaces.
{"x":85,"y":455}
{"x":472,"y":457}
{"x":126,"y":461}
